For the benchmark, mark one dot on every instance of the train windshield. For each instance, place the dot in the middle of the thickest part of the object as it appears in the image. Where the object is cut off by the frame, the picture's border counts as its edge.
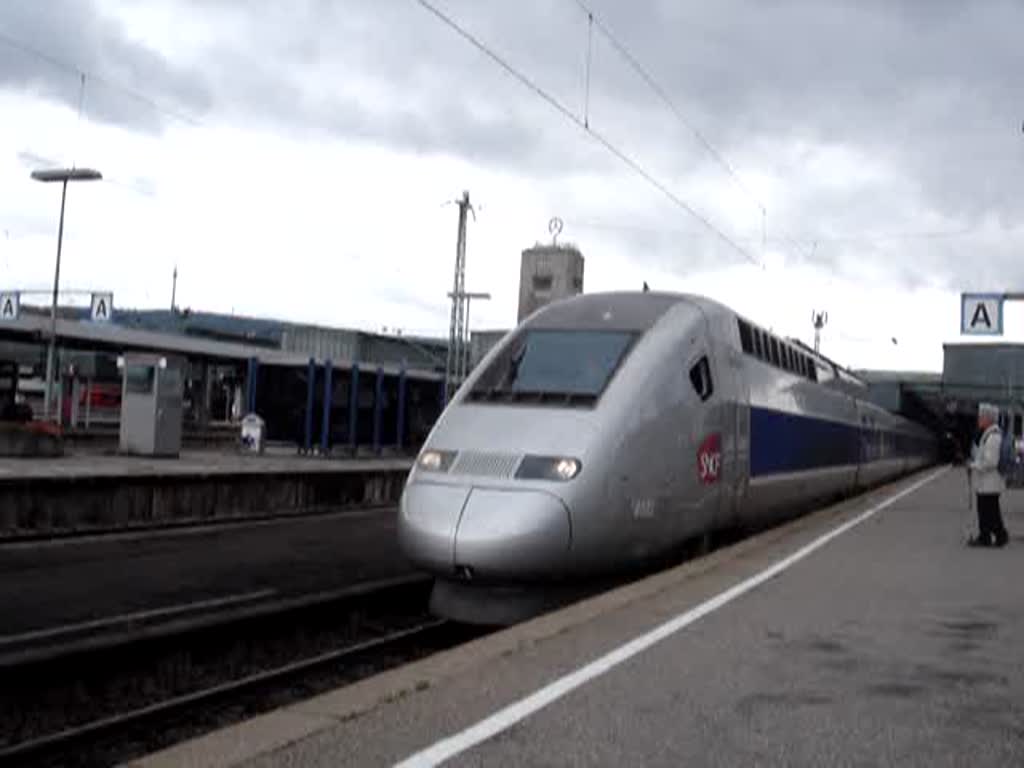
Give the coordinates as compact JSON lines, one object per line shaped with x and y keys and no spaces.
{"x":571,"y":366}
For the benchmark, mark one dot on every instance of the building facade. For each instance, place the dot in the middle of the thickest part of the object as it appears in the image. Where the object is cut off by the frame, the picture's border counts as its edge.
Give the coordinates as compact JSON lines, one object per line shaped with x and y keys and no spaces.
{"x":973,"y":373}
{"x":548,"y":273}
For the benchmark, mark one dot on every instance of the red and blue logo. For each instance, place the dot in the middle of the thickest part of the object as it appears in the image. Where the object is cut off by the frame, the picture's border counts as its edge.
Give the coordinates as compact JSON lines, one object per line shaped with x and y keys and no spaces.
{"x":709,"y":459}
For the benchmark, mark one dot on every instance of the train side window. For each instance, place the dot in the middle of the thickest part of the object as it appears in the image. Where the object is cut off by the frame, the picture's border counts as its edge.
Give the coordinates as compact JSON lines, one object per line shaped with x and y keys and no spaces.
{"x":700,"y":378}
{"x":757,"y":344}
{"x":746,"y":342}
{"x":775,"y":352}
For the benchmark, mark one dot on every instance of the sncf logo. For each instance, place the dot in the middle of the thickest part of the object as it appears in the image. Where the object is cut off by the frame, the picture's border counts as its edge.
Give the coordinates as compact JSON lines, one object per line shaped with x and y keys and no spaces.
{"x":709,"y":459}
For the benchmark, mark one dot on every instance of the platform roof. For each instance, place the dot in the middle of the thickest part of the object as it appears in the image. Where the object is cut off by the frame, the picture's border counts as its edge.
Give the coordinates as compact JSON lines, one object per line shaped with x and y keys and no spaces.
{"x":110,"y":337}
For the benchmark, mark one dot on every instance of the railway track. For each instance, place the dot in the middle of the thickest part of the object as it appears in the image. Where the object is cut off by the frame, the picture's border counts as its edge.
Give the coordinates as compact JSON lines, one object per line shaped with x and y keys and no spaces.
{"x":106,"y":706}
{"x":129,"y":629}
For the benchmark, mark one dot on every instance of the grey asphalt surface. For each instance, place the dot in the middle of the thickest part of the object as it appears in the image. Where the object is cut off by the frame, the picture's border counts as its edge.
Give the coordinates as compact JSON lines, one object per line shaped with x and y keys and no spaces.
{"x":48,"y":584}
{"x":894,"y":643}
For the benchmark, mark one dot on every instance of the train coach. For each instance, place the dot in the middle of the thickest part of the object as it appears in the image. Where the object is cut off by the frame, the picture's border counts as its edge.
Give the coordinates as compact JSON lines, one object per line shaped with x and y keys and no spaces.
{"x":607,"y":429}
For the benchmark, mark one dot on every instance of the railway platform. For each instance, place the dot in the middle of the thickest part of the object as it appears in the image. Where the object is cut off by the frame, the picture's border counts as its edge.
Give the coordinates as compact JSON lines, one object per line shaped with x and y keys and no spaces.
{"x":95,"y":493}
{"x":864,"y":633}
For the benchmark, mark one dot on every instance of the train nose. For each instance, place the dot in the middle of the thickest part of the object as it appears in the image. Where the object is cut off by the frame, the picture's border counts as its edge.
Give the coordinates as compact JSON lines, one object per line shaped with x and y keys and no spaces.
{"x":512,"y":534}
{"x":484,"y":532}
{"x":429,"y":517}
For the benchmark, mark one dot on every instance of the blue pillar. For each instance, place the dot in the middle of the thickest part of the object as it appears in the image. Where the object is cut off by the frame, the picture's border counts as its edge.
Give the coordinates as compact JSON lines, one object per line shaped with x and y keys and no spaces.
{"x":307,"y":442}
{"x":353,"y":407}
{"x":251,"y":375}
{"x":400,"y":431}
{"x":378,"y":408}
{"x":325,"y":427}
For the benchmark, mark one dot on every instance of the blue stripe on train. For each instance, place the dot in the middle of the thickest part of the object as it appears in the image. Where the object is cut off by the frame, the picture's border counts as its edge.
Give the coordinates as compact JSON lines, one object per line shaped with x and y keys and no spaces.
{"x":788,"y":442}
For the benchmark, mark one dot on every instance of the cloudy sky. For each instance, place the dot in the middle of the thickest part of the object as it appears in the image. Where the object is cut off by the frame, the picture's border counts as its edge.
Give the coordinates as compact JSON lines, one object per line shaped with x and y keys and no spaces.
{"x":295,"y":159}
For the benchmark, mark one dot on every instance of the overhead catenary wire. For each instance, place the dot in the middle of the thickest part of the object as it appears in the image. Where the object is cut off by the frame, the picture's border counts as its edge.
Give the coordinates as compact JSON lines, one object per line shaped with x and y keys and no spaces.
{"x":81,"y":110}
{"x":811,"y":240}
{"x":599,"y":138}
{"x":590,"y":53}
{"x":24,"y":47}
{"x":662,"y":94}
{"x":653,"y":84}
{"x":951,"y":234}
{"x":81,"y":95}
{"x":60,"y":63}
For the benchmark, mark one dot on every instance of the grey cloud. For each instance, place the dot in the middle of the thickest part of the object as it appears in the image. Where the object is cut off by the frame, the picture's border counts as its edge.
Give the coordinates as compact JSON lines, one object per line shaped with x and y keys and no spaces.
{"x":931,"y":90}
{"x":430,"y":92}
{"x":133,"y":86}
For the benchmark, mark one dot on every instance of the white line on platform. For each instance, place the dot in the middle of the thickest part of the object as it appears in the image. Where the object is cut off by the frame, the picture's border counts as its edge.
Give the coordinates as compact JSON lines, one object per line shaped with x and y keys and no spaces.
{"x":128,"y":618}
{"x":514,"y":713}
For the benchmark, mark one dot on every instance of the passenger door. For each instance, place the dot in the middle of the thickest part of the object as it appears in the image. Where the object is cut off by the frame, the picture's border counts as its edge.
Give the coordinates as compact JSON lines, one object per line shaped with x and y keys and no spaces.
{"x":737,"y":405}
{"x":710,"y":438}
{"x":732,"y":418}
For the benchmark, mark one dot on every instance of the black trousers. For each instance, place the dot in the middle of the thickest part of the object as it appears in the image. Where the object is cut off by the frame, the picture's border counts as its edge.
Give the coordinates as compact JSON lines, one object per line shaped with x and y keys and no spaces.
{"x":990,"y":519}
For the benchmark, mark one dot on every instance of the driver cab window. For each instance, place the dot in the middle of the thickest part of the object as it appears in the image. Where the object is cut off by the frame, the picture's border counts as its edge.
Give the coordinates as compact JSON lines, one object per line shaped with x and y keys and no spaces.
{"x":700,"y":378}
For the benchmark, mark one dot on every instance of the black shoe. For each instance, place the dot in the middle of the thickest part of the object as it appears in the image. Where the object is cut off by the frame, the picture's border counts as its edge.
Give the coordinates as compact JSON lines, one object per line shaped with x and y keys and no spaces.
{"x":1001,"y":540}
{"x":977,"y":541}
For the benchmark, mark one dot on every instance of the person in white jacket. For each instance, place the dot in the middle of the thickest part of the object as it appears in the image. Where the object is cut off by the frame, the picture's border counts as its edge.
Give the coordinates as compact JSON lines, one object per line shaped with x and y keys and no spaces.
{"x":988,"y":482}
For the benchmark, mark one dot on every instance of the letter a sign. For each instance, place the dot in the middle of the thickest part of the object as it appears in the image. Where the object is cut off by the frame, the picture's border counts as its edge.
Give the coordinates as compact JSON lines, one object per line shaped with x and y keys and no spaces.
{"x":10,"y":306}
{"x":981,"y":314}
{"x":102,"y":307}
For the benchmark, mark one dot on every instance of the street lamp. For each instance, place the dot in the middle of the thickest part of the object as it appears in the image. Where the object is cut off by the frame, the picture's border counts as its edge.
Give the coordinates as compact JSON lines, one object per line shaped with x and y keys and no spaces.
{"x":63,"y":175}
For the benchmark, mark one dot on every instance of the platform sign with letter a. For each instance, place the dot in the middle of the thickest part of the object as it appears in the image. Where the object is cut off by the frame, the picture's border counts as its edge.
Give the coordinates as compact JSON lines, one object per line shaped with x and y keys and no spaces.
{"x":10,"y":305}
{"x":981,"y":314}
{"x":102,"y":307}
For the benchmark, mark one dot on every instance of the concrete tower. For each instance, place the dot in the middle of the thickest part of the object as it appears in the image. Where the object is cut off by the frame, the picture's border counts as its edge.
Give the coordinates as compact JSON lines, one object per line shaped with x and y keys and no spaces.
{"x":548,"y":273}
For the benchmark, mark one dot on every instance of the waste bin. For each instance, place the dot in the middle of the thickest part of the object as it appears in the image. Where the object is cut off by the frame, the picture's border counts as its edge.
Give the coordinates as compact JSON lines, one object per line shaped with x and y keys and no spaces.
{"x":254,"y":433}
{"x":152,"y":397}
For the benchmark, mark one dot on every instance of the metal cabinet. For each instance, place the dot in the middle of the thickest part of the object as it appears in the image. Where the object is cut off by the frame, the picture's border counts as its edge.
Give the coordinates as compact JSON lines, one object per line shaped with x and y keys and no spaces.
{"x":152,"y":403}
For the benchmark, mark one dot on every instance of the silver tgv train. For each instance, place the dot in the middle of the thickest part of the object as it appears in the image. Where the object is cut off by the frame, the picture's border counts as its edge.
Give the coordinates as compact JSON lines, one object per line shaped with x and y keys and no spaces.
{"x":607,"y":429}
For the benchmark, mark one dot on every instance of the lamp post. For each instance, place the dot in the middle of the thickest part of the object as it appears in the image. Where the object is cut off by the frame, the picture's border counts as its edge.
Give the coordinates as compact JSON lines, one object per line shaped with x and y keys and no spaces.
{"x":63,"y":175}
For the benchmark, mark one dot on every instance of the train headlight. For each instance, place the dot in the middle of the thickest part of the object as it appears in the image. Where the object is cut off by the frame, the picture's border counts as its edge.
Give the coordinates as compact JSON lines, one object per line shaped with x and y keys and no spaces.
{"x":436,"y":461}
{"x":548,"y":468}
